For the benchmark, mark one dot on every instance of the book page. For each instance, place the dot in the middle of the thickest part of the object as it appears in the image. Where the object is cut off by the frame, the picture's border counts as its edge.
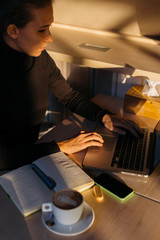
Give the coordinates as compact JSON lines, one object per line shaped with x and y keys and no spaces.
{"x":25,"y":189}
{"x":64,"y":172}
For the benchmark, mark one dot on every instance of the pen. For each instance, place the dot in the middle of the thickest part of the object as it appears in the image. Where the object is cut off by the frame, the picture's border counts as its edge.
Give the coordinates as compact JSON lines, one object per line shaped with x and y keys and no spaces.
{"x":46,"y":179}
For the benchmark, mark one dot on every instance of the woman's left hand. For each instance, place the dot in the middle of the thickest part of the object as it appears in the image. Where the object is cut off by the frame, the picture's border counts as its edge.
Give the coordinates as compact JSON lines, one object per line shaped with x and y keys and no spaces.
{"x":82,"y":141}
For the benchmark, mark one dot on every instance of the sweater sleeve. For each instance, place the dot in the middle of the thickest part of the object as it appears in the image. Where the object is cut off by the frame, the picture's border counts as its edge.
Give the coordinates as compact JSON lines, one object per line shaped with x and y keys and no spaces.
{"x":16,"y":155}
{"x":75,"y":101}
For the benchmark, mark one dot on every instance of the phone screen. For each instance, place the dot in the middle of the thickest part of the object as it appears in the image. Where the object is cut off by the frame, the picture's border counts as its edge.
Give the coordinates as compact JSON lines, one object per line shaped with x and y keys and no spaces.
{"x":114,"y":186}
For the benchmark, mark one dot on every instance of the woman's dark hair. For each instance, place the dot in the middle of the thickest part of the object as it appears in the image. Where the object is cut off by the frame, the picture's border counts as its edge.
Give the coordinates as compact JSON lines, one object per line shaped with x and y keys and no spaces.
{"x":18,"y":12}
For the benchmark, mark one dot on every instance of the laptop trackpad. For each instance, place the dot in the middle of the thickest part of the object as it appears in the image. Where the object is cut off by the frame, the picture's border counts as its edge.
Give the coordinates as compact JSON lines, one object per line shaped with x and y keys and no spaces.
{"x":101,"y":157}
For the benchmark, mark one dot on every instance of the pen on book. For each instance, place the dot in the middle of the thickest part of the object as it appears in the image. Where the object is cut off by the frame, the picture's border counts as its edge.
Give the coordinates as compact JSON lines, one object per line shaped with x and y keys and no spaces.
{"x":50,"y":183}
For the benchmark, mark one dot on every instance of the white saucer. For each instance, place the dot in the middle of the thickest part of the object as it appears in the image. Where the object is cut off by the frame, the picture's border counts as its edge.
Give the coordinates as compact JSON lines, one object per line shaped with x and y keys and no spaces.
{"x":81,"y":226}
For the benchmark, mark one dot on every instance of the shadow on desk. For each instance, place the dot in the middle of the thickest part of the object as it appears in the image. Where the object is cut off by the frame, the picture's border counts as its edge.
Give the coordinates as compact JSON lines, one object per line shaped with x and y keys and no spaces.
{"x":15,"y":225}
{"x":69,"y":128}
{"x":148,"y":187}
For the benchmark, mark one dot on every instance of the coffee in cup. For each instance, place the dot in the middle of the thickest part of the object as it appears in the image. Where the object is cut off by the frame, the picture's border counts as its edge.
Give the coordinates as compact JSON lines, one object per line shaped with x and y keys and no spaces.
{"x":67,"y":206}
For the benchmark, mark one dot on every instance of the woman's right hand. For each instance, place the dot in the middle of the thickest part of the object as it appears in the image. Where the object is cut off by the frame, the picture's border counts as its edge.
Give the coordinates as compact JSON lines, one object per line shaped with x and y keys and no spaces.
{"x":82,"y":141}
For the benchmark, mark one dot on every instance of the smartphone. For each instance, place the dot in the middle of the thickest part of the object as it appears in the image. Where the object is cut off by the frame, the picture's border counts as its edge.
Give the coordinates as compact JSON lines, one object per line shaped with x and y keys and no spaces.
{"x":114,"y":186}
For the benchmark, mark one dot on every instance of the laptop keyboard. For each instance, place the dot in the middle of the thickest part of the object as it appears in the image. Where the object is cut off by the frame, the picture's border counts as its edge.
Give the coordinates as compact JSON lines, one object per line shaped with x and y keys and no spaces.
{"x":130,"y":152}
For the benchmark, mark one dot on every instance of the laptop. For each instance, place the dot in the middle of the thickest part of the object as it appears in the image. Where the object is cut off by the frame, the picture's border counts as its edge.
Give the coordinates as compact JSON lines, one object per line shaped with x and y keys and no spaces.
{"x":125,"y":153}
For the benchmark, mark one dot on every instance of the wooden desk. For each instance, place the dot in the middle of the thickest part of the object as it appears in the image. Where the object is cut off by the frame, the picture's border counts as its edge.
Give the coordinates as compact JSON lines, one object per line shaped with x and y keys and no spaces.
{"x":138,"y":218}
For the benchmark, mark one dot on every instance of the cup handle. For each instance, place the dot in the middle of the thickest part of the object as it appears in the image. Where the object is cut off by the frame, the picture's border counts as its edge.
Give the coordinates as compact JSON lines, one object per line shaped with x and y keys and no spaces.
{"x":47,"y":211}
{"x":47,"y":207}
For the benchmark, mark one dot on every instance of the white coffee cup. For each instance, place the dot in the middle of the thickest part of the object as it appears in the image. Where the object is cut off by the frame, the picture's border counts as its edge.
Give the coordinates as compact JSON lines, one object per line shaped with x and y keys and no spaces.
{"x":67,"y":206}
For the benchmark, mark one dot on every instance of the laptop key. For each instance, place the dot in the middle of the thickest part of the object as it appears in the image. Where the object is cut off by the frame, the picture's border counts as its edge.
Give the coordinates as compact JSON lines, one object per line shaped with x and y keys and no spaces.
{"x":130,"y":152}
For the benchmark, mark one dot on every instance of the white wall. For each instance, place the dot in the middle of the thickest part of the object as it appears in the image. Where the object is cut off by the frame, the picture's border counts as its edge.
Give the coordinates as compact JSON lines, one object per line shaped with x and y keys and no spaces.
{"x":133,"y":17}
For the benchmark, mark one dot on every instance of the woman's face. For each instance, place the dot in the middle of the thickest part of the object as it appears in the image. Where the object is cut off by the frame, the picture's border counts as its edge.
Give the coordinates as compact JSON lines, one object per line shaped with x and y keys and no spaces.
{"x":33,"y":38}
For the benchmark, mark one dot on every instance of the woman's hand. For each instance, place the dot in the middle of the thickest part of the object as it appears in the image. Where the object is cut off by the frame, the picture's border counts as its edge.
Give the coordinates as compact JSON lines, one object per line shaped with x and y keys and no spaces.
{"x":81,"y":142}
{"x":121,"y":126}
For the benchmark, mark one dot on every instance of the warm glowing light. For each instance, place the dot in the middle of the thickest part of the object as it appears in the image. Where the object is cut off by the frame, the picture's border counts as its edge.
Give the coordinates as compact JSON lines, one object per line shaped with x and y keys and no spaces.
{"x":98,"y":193}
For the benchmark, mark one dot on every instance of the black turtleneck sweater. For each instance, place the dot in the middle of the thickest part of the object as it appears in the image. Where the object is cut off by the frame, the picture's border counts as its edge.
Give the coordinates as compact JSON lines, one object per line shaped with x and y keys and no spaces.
{"x":24,"y":85}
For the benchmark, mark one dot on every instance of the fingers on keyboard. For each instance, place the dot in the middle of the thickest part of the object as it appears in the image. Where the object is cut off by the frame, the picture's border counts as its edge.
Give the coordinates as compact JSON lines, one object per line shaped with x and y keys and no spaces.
{"x":135,"y":126}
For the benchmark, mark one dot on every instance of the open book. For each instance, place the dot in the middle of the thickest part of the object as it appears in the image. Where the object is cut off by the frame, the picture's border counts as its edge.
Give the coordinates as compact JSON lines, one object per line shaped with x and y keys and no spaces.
{"x":27,"y":190}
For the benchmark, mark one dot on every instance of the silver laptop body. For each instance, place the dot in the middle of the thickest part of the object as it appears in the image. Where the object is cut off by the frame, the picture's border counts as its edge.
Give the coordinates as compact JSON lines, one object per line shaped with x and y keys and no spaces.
{"x":106,"y":157}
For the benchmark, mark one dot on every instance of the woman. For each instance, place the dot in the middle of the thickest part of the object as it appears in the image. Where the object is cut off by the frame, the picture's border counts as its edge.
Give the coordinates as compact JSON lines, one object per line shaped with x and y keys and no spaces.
{"x":27,"y":73}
